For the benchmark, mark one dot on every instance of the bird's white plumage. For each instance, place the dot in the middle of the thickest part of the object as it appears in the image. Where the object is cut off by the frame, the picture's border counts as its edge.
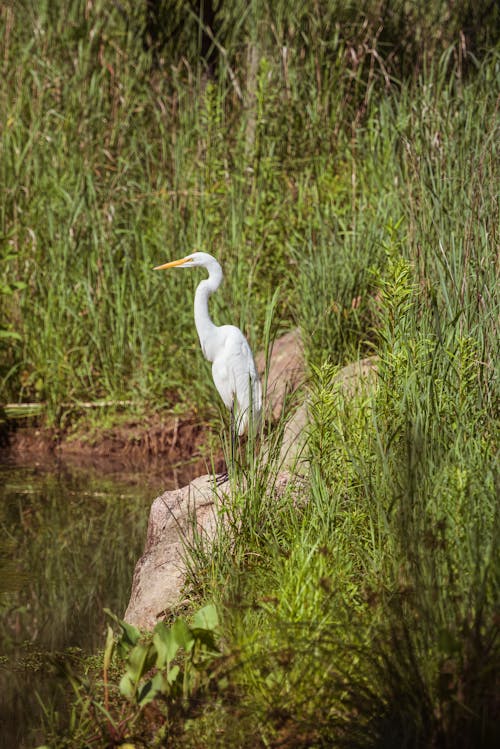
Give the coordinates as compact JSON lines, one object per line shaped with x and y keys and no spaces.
{"x":233,"y":366}
{"x":235,"y":376}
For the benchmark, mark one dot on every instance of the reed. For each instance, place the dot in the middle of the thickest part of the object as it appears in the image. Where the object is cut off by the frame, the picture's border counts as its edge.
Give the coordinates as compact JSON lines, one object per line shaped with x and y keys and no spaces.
{"x":362,"y":605}
{"x":110,"y":166}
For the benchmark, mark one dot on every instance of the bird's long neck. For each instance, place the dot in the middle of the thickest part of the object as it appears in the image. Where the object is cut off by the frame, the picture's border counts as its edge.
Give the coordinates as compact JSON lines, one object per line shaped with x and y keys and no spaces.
{"x":203,"y":322}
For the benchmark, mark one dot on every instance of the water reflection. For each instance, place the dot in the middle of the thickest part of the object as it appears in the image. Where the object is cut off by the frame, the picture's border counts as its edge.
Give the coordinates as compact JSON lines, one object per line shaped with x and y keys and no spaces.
{"x":69,"y":542}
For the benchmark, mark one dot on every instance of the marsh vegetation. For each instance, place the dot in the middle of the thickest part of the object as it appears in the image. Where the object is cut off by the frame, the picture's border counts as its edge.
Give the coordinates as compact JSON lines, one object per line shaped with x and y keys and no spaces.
{"x":348,"y":157}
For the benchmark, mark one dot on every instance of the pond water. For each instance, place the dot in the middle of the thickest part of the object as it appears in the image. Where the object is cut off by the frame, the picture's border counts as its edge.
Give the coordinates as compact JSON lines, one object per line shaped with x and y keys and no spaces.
{"x":68,"y":545}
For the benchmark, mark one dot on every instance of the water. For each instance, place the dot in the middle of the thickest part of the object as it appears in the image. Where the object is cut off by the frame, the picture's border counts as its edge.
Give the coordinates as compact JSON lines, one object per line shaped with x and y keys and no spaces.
{"x":69,"y":540}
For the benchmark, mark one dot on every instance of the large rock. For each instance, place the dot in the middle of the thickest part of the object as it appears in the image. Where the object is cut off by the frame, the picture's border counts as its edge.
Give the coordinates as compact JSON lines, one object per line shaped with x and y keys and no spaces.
{"x":160,"y":573}
{"x":286,"y":371}
{"x":175,"y":517}
{"x":285,"y":377}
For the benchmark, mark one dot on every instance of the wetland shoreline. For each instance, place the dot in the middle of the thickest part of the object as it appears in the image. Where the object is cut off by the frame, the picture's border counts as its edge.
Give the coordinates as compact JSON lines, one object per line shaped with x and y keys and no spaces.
{"x":179,"y":447}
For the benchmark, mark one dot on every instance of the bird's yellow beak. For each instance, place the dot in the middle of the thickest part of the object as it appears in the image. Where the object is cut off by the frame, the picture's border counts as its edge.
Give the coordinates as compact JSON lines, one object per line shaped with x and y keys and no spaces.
{"x":173,"y":263}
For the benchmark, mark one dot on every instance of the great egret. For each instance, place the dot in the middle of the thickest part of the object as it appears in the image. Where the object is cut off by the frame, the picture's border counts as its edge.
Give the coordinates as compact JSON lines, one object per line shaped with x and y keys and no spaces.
{"x":233,"y":366}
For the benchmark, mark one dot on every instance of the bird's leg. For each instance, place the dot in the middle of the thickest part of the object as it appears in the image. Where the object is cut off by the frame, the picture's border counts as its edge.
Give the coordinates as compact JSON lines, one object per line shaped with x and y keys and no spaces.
{"x":223,"y":477}
{"x":232,"y":428}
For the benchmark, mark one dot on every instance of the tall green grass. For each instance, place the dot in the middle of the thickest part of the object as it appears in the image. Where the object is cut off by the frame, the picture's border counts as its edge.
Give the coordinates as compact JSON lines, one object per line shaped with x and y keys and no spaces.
{"x":111,"y":163}
{"x":362,"y":605}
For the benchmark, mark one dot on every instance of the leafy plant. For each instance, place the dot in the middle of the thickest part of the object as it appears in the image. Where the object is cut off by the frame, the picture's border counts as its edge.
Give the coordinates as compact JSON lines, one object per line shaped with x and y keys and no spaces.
{"x":149,"y":684}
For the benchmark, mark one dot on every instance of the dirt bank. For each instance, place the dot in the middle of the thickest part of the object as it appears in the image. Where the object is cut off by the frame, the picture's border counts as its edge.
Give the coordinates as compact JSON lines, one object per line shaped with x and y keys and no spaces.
{"x":178,"y":447}
{"x":182,"y":446}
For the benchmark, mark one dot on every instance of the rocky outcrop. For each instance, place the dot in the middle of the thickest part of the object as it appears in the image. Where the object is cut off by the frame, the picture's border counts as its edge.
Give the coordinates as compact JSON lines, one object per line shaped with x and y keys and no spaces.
{"x":177,"y":515}
{"x":285,"y":372}
{"x":160,"y":573}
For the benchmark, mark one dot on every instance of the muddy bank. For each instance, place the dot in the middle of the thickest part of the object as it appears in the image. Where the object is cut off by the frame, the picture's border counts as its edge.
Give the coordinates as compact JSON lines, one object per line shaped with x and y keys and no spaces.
{"x":181,"y":447}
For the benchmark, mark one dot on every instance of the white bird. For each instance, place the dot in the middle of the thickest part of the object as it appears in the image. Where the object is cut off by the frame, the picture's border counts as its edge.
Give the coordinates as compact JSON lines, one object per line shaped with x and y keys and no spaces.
{"x":233,"y":366}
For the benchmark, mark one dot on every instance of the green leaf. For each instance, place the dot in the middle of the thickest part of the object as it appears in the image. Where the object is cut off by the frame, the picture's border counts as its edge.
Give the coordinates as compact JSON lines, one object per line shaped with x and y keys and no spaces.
{"x":10,"y":334}
{"x":183,"y":635}
{"x":127,"y":687}
{"x":109,"y":647}
{"x":207,"y":638}
{"x":173,"y":674}
{"x":140,"y":660}
{"x":157,"y":685}
{"x":165,"y":643}
{"x":146,"y":694}
{"x":130,"y":633}
{"x":206,"y":618}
